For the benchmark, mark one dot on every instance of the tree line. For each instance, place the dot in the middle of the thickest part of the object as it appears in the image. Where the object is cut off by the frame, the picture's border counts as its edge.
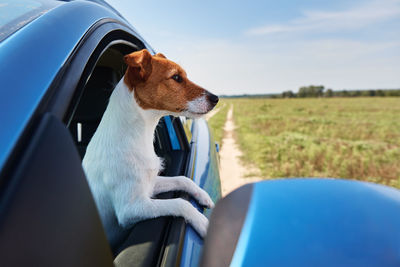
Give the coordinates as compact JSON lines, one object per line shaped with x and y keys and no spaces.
{"x":319,"y":91}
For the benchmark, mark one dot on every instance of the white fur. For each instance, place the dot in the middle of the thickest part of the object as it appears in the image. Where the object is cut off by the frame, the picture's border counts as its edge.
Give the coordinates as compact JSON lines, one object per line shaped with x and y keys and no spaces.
{"x":199,"y":105}
{"x":122,"y":167}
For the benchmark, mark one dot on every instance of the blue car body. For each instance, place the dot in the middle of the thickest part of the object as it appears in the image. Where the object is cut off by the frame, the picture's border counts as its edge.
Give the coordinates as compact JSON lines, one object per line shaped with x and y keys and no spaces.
{"x":335,"y":222}
{"x":44,"y":45}
{"x":306,"y":222}
{"x":47,"y":50}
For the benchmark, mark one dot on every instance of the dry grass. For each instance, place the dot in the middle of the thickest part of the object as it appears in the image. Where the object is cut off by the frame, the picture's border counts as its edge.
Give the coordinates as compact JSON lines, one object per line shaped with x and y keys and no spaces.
{"x":355,"y":138}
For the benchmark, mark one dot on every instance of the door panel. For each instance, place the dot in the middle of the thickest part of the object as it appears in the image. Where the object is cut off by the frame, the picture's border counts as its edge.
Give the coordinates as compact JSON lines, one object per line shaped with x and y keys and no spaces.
{"x":48,"y":216}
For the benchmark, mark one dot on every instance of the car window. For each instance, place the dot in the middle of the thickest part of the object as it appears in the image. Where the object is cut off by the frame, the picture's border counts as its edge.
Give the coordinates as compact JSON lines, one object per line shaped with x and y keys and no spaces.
{"x":187,"y":127}
{"x":89,"y":110}
{"x":15,"y":14}
{"x":99,"y":78}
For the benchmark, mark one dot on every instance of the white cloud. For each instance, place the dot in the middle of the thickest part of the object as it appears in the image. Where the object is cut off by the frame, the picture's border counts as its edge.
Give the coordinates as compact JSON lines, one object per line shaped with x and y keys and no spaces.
{"x":329,"y":21}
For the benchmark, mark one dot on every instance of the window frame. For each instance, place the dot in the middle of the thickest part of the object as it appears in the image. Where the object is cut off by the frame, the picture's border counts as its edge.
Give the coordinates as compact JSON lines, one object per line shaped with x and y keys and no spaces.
{"x":68,"y":87}
{"x":70,"y":81}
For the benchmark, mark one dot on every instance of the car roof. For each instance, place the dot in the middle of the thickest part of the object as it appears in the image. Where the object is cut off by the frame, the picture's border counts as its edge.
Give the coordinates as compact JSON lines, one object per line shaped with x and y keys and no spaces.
{"x":100,"y":2}
{"x":31,"y":58}
{"x":16,"y":14}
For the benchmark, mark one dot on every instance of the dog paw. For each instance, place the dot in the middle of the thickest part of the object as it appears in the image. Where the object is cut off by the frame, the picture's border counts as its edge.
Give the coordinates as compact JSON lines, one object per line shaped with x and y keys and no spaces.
{"x":200,"y":224}
{"x":204,"y":199}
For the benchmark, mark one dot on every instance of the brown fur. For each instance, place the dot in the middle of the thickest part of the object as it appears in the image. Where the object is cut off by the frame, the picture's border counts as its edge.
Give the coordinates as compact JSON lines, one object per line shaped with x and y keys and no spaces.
{"x":150,"y":77}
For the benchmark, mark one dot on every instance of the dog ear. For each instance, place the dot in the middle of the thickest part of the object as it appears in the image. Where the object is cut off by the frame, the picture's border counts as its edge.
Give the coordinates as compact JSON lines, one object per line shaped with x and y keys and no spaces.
{"x":160,"y":55}
{"x":139,"y":65}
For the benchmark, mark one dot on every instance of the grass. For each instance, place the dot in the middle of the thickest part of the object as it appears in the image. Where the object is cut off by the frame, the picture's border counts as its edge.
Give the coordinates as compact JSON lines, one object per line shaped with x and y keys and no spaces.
{"x":355,"y":138}
{"x":217,"y":121}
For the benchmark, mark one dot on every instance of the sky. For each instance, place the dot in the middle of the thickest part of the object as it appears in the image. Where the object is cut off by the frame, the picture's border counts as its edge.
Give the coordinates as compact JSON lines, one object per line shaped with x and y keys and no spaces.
{"x":260,"y":47}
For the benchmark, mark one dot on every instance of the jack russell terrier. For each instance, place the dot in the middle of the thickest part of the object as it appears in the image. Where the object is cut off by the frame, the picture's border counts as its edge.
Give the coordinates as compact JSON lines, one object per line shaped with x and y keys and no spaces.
{"x":120,"y":163}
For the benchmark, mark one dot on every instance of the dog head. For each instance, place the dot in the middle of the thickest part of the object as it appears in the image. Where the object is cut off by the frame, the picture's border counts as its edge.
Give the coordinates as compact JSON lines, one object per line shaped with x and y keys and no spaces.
{"x":161,"y":84}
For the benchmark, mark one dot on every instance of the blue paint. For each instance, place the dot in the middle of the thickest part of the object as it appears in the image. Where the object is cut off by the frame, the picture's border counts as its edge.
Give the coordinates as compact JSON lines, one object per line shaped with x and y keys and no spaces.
{"x":193,"y":245}
{"x":206,"y":175}
{"x":38,"y":51}
{"x":192,"y":242}
{"x":172,"y":134}
{"x":320,"y":222}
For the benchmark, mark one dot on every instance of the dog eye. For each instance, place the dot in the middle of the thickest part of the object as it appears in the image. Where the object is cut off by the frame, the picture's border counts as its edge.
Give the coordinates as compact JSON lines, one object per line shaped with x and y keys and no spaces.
{"x":177,"y":78}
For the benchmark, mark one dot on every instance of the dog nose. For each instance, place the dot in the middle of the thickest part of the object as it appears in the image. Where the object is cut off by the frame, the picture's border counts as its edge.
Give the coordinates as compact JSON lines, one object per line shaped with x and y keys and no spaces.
{"x":212,"y":98}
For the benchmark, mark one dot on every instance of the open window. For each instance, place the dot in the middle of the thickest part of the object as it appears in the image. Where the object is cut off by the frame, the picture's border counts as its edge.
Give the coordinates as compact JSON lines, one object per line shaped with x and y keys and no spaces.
{"x":88,"y":110}
{"x":84,"y":114}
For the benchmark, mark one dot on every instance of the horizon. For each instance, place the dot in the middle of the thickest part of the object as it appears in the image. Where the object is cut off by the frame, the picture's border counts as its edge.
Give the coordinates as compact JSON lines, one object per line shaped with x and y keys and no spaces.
{"x":325,"y":89}
{"x":269,"y":47}
{"x":295,"y":92}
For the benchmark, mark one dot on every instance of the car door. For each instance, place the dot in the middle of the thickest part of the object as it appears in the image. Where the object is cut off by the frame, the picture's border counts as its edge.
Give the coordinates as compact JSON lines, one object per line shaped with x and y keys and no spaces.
{"x":48,"y":216}
{"x":151,"y":242}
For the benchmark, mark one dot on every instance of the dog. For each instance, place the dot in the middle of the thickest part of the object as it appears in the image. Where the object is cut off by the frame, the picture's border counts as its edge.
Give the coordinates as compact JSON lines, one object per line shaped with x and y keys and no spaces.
{"x":120,"y":162}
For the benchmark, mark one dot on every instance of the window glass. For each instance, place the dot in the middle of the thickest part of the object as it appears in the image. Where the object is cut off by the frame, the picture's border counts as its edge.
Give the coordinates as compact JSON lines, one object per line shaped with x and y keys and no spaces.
{"x":187,"y":126}
{"x":15,"y":14}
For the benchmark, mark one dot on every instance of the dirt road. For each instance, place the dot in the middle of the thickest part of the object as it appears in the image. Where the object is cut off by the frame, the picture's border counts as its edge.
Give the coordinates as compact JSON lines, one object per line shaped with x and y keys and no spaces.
{"x":232,"y":172}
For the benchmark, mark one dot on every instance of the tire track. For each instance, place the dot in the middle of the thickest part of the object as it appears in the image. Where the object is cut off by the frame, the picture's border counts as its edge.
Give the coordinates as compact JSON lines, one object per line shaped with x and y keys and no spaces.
{"x":232,"y":172}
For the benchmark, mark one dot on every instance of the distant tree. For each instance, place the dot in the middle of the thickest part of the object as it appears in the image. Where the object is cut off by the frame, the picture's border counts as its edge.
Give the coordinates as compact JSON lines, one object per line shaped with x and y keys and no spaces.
{"x":302,"y":92}
{"x":379,"y":93}
{"x":353,"y":93}
{"x":392,"y":92}
{"x":288,"y":94}
{"x":329,"y":93}
{"x":365,"y":93}
{"x":344,"y":93}
{"x":311,"y":91}
{"x":318,"y":90}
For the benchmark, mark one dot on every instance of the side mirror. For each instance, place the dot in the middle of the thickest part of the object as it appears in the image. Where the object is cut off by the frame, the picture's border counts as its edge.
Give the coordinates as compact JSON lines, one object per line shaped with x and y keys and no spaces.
{"x":305,"y":222}
{"x":217,"y":146}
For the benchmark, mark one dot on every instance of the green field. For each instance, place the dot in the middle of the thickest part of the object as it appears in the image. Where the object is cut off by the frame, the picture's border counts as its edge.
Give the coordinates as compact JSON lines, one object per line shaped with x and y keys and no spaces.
{"x":355,"y":138}
{"x":217,"y":122}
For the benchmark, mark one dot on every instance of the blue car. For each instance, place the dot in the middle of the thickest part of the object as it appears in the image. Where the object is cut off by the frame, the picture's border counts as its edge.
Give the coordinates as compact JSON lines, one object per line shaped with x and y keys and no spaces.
{"x":59,"y":62}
